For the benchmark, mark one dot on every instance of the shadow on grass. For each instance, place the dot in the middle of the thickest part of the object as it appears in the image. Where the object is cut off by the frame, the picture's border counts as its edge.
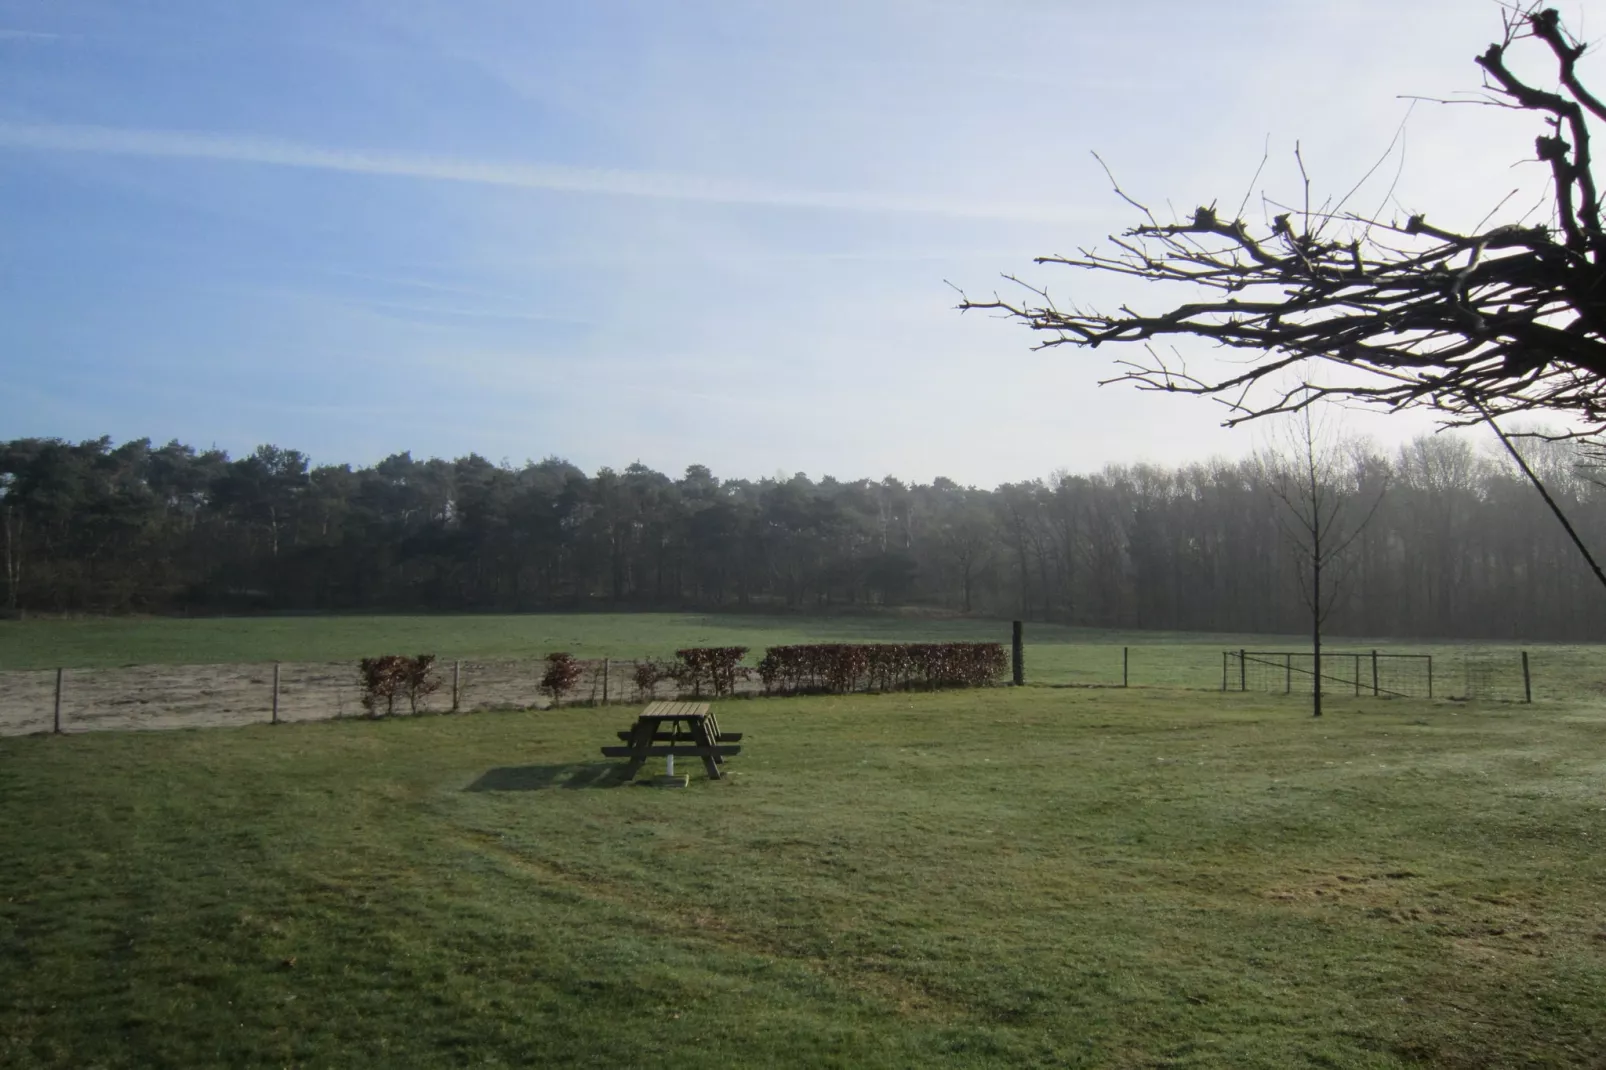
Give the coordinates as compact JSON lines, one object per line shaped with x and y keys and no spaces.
{"x":571,"y":775}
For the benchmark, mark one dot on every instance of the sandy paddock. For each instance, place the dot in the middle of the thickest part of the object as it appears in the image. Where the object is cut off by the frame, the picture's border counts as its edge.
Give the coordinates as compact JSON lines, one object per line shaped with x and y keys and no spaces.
{"x":195,"y":696}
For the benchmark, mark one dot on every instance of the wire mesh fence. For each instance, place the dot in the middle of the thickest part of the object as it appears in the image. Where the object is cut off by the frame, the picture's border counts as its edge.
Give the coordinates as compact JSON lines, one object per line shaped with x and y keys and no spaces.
{"x":193,"y":696}
{"x":1369,"y":672}
{"x":182,"y":696}
{"x":1437,"y":671}
{"x":1501,"y":675}
{"x":1494,"y":675}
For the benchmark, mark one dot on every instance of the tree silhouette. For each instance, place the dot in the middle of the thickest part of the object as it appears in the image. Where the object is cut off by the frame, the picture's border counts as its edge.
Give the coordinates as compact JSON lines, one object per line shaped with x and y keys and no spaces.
{"x":1500,"y":319}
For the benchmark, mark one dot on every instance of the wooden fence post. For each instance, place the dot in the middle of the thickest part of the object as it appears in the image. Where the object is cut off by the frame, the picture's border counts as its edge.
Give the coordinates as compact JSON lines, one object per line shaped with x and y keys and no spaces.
{"x":1124,"y":667}
{"x":1527,"y":681}
{"x":605,"y":681}
{"x":1243,"y":671}
{"x":1430,"y":676}
{"x":1288,"y":674}
{"x":457,"y":671}
{"x":56,"y":721}
{"x":1017,"y":655}
{"x":1374,"y":674}
{"x":275,"y":718}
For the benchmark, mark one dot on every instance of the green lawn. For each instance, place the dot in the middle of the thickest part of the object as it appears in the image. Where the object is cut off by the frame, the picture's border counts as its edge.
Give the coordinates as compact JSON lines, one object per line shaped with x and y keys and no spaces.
{"x":1030,"y":877}
{"x":1054,"y":655}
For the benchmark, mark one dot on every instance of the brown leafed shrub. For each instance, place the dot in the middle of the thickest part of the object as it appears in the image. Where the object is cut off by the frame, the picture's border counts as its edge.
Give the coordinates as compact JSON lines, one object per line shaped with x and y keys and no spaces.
{"x":380,"y":682}
{"x":719,"y":667}
{"x":648,"y":675}
{"x":563,"y":672}
{"x":391,"y":676}
{"x":418,"y":679}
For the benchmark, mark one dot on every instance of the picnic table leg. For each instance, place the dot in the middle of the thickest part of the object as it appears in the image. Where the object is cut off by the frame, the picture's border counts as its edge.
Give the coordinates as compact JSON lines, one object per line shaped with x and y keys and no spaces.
{"x":705,"y":733}
{"x":704,"y":738}
{"x":640,"y":740}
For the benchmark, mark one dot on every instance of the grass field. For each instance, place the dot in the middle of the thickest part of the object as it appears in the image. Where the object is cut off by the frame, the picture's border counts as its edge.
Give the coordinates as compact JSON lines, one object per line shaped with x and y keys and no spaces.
{"x":1054,"y":655}
{"x":1030,"y":877}
{"x":101,"y":642}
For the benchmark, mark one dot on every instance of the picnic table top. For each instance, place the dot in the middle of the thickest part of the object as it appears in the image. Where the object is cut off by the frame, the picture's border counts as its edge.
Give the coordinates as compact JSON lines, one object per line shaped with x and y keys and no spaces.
{"x":673,"y":711}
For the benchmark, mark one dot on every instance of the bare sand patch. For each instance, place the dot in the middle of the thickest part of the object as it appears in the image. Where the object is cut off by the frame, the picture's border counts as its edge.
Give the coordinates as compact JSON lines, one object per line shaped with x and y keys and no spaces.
{"x":203,"y":696}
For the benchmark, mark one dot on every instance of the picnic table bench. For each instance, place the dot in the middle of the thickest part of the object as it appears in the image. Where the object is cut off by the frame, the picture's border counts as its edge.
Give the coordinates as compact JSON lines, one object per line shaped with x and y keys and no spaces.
{"x":671,"y":730}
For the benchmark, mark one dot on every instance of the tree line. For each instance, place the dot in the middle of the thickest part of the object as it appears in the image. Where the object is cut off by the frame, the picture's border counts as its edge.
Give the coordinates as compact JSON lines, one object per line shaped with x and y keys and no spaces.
{"x":1460,"y":545}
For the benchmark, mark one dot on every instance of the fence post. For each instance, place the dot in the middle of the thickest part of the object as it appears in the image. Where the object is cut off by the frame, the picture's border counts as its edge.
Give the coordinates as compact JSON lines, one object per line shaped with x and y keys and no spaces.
{"x":1288,"y":674}
{"x":56,"y":721}
{"x":1243,"y":671}
{"x":275,"y":718}
{"x":1527,"y":682}
{"x":1123,"y":667}
{"x":457,"y":669}
{"x":604,"y":681}
{"x":1430,"y":676}
{"x":1374,"y":674}
{"x":1018,"y":660}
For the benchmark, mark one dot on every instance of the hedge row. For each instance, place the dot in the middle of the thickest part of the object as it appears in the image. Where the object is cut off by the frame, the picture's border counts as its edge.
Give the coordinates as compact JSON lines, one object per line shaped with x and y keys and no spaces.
{"x":843,"y":667}
{"x":822,"y":667}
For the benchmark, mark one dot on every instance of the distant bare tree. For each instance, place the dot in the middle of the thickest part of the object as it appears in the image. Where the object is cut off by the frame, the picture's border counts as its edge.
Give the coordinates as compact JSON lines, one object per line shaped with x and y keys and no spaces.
{"x":1321,"y":517}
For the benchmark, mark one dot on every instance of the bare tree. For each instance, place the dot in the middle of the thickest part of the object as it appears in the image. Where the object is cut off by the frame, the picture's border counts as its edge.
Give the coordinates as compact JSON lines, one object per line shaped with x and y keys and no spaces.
{"x":1321,"y":517}
{"x":1478,"y":323}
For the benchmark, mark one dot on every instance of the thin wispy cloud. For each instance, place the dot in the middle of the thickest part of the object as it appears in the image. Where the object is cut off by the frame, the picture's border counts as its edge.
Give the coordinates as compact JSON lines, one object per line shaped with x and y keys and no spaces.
{"x":412,"y":308}
{"x":406,"y":283}
{"x":27,"y":35}
{"x":172,"y":144}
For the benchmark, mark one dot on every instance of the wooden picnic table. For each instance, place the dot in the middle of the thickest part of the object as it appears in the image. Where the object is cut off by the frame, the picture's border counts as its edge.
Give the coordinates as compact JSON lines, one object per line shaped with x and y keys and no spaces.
{"x":673,"y":730}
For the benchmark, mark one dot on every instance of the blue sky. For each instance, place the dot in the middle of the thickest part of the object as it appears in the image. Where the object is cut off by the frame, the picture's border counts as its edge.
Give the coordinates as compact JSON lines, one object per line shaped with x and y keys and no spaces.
{"x":700,"y":232}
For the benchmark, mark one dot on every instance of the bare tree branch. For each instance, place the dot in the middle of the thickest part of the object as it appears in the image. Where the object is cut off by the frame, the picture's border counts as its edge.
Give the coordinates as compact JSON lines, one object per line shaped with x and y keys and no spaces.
{"x":1501,"y":319}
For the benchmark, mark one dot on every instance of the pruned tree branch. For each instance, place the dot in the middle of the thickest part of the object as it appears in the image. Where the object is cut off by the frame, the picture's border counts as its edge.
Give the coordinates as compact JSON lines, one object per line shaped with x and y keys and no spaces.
{"x":1500,"y":319}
